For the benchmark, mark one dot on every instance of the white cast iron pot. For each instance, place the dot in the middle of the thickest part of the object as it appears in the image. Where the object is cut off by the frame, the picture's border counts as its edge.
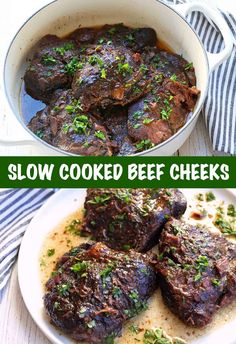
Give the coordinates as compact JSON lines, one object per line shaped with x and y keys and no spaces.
{"x":61,"y":17}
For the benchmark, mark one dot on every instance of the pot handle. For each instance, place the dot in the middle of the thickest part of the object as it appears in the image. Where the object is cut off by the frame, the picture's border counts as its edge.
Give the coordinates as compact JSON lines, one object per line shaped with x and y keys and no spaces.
{"x":213,"y":16}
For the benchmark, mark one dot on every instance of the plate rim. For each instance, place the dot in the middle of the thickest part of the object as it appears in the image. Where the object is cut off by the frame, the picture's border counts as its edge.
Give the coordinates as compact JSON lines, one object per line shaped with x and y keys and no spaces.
{"x":47,"y":330}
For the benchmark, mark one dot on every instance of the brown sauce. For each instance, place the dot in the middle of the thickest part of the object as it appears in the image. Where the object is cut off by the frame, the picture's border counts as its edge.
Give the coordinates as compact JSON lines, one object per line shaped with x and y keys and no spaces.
{"x":157,"y":315}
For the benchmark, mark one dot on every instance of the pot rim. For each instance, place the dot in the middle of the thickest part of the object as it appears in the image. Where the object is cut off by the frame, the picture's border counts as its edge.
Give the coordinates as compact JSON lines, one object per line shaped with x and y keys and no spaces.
{"x":145,"y":152}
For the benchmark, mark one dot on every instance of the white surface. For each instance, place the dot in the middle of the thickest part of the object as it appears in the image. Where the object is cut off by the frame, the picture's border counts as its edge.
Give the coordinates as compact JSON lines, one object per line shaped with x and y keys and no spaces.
{"x":12,"y":15}
{"x":52,"y":213}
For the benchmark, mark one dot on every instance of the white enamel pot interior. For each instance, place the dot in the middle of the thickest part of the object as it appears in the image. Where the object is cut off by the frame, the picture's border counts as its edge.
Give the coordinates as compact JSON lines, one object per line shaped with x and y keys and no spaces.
{"x":61,"y":17}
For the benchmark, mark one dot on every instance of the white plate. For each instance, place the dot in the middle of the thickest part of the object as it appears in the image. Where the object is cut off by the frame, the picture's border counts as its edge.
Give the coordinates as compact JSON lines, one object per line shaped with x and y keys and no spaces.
{"x":53,"y":212}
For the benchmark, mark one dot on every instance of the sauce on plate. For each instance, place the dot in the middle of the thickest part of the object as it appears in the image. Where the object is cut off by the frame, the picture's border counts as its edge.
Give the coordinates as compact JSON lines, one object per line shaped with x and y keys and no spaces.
{"x":62,"y":239}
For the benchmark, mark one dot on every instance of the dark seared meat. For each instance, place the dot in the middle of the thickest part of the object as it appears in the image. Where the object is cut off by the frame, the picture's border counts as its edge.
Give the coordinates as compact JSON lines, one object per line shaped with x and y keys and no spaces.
{"x":52,"y":66}
{"x":135,"y":39}
{"x":95,"y":290}
{"x":130,"y":218}
{"x":84,"y":35}
{"x":197,"y":271}
{"x":170,"y":65}
{"x":63,"y":124}
{"x":110,"y":76}
{"x":162,"y":112}
{"x":127,"y":147}
{"x":115,"y":120}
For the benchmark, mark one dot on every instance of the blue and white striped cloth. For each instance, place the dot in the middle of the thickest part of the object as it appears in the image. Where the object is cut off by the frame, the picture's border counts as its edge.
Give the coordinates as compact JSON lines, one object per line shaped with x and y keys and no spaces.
{"x":219,"y":110}
{"x":17,"y":208}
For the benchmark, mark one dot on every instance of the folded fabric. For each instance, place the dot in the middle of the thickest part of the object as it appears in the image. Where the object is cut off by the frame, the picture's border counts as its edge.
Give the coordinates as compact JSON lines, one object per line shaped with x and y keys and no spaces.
{"x":219,"y":110}
{"x":17,"y":208}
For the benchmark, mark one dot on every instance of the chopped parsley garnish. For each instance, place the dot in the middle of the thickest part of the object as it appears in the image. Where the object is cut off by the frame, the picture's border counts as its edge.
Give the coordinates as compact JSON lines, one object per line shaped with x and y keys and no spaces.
{"x":106,"y":272}
{"x":83,"y":310}
{"x":158,"y":78}
{"x":173,"y":77}
{"x":126,"y":247}
{"x":95,"y":59}
{"x":99,"y":199}
{"x":103,"y":73}
{"x":201,"y":265}
{"x":74,"y":251}
{"x":165,"y":114}
{"x":188,"y":66}
{"x":48,"y":60}
{"x":74,"y":107}
{"x":116,"y":292}
{"x":139,"y":306}
{"x":155,"y":336}
{"x":50,"y":252}
{"x":39,"y":133}
{"x":166,"y":111}
{"x":54,"y":273}
{"x":148,"y":120}
{"x":110,"y":339}
{"x":231,"y":210}
{"x":224,"y":226}
{"x":177,"y":230}
{"x":143,"y":68}
{"x":124,"y":68}
{"x":80,"y":124}
{"x":65,"y":128}
{"x":137,"y":114}
{"x":129,"y":38}
{"x":42,"y":263}
{"x":100,"y":135}
{"x":210,"y":196}
{"x":121,"y":217}
{"x":144,"y":144}
{"x":63,"y":289}
{"x":91,"y":324}
{"x":137,"y":125}
{"x":136,"y":89}
{"x":56,"y":108}
{"x":134,"y":295}
{"x":200,"y":197}
{"x":86,"y":144}
{"x":57,"y":305}
{"x":80,"y":268}
{"x":73,"y":65}
{"x":124,"y":195}
{"x":215,"y":282}
{"x":32,"y":68}
{"x":112,"y":30}
{"x":134,"y":328}
{"x":61,"y":50}
{"x":74,"y":227}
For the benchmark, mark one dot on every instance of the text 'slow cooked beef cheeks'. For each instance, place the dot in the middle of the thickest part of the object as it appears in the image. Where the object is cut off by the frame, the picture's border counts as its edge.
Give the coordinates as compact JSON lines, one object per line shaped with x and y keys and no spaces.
{"x":64,"y":124}
{"x":130,"y":218}
{"x":110,"y":75}
{"x":197,"y":271}
{"x":95,"y":290}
